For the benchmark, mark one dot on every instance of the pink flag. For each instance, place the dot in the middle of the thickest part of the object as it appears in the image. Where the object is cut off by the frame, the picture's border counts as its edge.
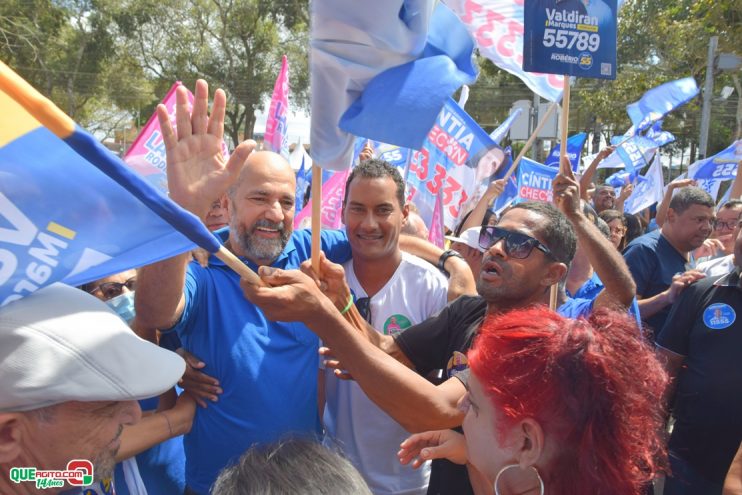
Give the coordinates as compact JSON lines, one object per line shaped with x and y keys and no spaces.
{"x":276,"y":138}
{"x":147,"y":153}
{"x":435,"y":234}
{"x":333,"y":192}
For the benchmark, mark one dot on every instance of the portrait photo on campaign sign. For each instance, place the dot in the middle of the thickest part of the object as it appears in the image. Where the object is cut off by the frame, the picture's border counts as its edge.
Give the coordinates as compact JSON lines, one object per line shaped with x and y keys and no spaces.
{"x":572,"y":37}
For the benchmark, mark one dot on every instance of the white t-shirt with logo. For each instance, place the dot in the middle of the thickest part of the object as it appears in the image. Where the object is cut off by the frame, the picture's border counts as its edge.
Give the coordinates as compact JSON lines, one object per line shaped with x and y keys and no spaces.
{"x":363,"y":432}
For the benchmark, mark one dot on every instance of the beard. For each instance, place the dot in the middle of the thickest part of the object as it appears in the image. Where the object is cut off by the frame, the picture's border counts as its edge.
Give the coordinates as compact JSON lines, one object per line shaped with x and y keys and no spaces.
{"x":257,"y":248}
{"x":105,"y":462}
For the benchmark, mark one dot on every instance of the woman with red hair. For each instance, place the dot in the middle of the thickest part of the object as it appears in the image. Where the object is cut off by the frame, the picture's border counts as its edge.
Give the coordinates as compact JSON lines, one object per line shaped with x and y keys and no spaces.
{"x":557,"y":406}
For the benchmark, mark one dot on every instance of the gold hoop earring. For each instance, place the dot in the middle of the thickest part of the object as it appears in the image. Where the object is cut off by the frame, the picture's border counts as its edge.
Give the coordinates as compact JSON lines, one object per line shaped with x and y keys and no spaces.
{"x":505,"y":468}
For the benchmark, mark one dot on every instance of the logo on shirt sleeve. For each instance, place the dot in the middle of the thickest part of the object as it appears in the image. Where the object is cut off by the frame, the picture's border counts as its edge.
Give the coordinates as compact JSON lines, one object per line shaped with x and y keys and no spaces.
{"x":456,"y":364}
{"x":719,"y":316}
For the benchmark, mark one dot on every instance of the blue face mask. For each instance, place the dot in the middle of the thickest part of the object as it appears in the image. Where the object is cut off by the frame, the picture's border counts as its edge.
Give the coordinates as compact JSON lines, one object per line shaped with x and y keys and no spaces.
{"x":123,"y":305}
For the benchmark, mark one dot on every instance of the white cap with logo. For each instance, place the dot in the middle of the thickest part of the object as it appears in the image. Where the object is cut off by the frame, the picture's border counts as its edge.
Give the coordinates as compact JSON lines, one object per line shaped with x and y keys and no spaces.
{"x":61,"y":344}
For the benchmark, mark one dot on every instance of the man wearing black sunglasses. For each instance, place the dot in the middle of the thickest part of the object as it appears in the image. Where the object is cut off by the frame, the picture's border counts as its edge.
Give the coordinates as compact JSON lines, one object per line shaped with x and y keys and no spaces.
{"x":527,"y":251}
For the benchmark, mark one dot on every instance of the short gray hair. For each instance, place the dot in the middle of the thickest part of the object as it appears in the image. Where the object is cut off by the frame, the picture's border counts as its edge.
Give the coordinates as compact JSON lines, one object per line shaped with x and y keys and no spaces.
{"x":290,"y":466}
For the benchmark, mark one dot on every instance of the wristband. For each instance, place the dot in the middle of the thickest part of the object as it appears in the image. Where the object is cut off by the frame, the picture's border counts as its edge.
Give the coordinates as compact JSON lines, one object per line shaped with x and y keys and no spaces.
{"x":169,"y":426}
{"x":447,"y":254}
{"x":347,"y":306}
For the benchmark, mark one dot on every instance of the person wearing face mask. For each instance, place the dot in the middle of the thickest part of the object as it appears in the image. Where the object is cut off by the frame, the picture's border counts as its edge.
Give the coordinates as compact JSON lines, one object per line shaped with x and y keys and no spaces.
{"x":151,"y":459}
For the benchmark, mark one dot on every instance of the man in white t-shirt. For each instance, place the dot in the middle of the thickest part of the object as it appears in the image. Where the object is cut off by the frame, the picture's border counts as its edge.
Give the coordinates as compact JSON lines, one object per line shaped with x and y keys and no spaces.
{"x":393,"y":291}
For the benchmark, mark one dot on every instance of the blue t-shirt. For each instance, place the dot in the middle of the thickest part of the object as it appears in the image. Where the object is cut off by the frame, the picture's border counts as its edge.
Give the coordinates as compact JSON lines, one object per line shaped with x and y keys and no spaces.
{"x":268,"y":370}
{"x":589,"y":290}
{"x":653,"y":262}
{"x":162,"y":468}
{"x":576,"y":308}
{"x":593,"y":286}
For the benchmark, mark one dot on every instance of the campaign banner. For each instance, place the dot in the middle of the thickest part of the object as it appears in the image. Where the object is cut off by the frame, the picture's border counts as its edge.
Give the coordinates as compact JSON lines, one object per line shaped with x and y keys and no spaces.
{"x":391,"y":153}
{"x":276,"y":135}
{"x":333,"y":192}
{"x":570,"y":37}
{"x":574,"y":150}
{"x":722,"y":166}
{"x":497,"y":29}
{"x":534,"y":181}
{"x":436,"y":231}
{"x":456,"y":156}
{"x":146,"y":155}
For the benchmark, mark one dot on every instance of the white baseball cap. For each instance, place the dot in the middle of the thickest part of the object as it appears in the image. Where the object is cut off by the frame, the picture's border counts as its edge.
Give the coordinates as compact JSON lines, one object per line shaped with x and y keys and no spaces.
{"x":61,"y":344}
{"x":470,"y":237}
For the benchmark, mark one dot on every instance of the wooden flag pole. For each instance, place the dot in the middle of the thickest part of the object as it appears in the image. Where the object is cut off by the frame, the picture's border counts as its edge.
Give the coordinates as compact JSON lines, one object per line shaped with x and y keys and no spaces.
{"x":554,"y":294}
{"x":238,"y":266}
{"x":316,"y":216}
{"x":531,"y":139}
{"x":527,"y":146}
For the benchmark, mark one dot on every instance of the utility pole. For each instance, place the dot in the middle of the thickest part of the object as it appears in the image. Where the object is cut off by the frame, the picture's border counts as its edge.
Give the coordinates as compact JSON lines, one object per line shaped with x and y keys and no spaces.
{"x":534,"y":123}
{"x":708,"y":90}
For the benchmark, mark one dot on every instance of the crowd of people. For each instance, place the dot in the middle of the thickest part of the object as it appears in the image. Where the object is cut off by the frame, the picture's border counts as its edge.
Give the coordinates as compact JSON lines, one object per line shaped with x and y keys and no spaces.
{"x":395,"y":367}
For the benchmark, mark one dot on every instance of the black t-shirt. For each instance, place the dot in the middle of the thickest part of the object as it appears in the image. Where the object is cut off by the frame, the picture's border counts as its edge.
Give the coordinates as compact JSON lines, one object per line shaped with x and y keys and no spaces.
{"x":441,"y":342}
{"x":704,"y":326}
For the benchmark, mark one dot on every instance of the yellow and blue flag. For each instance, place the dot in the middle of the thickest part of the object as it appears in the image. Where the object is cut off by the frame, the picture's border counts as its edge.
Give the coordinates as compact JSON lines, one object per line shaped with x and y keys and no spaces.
{"x":70,"y":210}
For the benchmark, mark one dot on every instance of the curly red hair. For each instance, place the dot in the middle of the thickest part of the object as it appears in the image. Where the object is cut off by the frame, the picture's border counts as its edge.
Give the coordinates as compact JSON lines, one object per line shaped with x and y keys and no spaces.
{"x":594,"y":385}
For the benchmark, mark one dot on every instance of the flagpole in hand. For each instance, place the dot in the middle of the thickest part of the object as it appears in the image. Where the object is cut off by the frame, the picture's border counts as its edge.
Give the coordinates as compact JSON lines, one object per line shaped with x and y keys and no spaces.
{"x":563,"y":164}
{"x":316,"y":216}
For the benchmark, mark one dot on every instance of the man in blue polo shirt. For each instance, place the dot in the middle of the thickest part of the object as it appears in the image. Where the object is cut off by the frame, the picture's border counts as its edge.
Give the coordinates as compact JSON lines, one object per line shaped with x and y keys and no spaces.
{"x":267,"y":370}
{"x":660,"y":261}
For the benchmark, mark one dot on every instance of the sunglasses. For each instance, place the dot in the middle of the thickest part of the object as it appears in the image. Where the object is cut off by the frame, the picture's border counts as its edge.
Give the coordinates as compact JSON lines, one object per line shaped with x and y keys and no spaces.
{"x":363,"y":305}
{"x":517,"y":245}
{"x":113,"y":289}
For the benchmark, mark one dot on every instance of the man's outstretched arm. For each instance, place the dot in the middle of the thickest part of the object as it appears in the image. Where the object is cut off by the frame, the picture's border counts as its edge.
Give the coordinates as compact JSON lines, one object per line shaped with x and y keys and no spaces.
{"x":197,"y":174}
{"x":410,"y":399}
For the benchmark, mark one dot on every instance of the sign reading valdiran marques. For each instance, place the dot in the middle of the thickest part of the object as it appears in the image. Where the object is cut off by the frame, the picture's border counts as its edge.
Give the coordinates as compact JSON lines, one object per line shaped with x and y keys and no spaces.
{"x":573,"y":37}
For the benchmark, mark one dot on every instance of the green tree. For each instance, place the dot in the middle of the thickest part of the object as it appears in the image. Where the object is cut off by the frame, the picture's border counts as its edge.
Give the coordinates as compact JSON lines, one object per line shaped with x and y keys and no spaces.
{"x":235,"y":45}
{"x":68,"y":51}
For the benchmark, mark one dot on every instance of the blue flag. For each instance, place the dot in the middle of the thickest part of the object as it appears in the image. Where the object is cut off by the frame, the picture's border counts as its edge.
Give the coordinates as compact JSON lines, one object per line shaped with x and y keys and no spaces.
{"x":656,"y":134}
{"x":633,"y":153}
{"x":70,"y":210}
{"x":382,"y":70}
{"x":503,"y":128}
{"x":574,"y":150}
{"x":722,"y":165}
{"x":621,"y":178}
{"x":649,"y":190}
{"x":659,"y":101}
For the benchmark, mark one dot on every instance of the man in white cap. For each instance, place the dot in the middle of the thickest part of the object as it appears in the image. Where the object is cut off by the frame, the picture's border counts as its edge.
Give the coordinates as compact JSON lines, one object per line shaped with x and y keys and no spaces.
{"x":467,"y":245}
{"x":71,"y":372}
